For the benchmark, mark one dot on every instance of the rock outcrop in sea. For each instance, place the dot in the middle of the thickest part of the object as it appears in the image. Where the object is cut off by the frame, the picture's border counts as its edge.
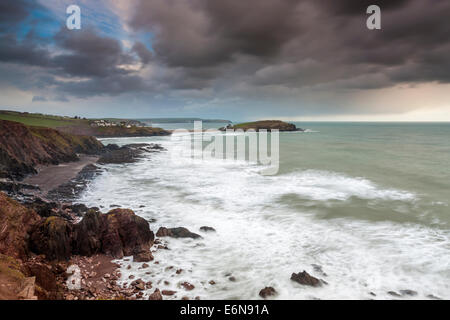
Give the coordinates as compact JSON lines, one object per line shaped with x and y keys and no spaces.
{"x":263,"y":125}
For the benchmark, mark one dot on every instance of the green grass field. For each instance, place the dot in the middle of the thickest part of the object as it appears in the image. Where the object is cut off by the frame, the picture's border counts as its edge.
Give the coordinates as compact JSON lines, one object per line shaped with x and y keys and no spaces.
{"x":41,"y":120}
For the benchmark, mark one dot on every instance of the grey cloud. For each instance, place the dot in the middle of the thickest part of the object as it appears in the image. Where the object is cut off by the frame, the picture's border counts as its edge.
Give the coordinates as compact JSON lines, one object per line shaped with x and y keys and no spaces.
{"x":144,"y":54}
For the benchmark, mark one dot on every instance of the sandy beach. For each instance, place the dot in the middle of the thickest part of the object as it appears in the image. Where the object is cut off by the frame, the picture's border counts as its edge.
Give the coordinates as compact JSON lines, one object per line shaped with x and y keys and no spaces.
{"x":50,"y":177}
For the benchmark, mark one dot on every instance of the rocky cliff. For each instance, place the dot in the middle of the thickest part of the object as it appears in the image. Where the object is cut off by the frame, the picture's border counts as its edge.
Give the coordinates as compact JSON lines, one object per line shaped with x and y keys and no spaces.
{"x":38,"y":240}
{"x":22,"y":148}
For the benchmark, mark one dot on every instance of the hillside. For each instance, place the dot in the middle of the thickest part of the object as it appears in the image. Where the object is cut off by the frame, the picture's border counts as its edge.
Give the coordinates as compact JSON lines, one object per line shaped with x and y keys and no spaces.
{"x":23,"y":147}
{"x":82,"y":126}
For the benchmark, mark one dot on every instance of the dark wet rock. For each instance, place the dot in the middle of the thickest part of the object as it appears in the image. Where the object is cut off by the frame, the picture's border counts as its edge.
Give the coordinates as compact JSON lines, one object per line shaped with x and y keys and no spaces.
{"x":53,"y":238}
{"x":306,"y":279}
{"x":79,"y":209}
{"x":118,"y":233}
{"x":408,"y":292}
{"x":430,"y":296}
{"x":372,"y":294}
{"x":267,"y":291}
{"x":232,"y":279}
{"x":394,"y":294}
{"x":207,"y":229}
{"x":155,"y":295}
{"x":144,"y":256}
{"x":71,"y":190}
{"x":13,"y":188}
{"x":188,"y":286}
{"x":139,"y":284}
{"x":129,"y":153}
{"x":168,"y":292}
{"x":179,"y":232}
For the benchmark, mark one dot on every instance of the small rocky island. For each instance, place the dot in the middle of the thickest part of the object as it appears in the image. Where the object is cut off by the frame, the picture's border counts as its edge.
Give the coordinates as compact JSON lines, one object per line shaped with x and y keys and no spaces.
{"x":264,"y":125}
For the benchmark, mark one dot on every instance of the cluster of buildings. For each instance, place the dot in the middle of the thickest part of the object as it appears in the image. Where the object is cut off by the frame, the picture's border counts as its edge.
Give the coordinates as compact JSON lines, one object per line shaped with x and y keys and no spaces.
{"x":107,"y":123}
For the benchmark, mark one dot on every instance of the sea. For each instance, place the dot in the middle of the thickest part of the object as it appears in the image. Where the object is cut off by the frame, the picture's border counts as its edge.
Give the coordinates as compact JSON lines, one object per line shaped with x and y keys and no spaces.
{"x":362,"y":206}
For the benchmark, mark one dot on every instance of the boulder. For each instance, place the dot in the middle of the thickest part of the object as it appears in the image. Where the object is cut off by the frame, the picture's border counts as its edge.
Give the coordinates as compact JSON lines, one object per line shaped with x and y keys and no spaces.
{"x":179,"y":232}
{"x":207,"y":229}
{"x":53,"y":238}
{"x":118,"y":233}
{"x":306,"y":279}
{"x":266,"y":292}
{"x":144,"y":256}
{"x":155,"y":295}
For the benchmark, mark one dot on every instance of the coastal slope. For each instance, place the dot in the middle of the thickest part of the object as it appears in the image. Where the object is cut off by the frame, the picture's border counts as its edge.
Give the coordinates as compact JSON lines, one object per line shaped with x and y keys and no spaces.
{"x":23,"y":147}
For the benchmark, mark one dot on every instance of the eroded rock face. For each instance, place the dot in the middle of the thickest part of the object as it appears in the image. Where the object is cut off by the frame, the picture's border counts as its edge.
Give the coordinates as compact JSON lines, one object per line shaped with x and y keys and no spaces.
{"x":179,"y":232}
{"x":15,"y":223}
{"x":53,"y":238}
{"x":118,"y":233}
{"x":306,"y":279}
{"x":23,"y":147}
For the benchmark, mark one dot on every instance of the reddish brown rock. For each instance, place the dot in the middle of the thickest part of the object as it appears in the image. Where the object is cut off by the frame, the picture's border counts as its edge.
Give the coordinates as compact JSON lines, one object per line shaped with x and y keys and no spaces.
{"x":168,"y":292}
{"x":188,"y":286}
{"x":267,"y":291}
{"x":118,"y":233}
{"x":53,"y":238}
{"x":16,"y":222}
{"x":306,"y":279}
{"x":144,"y":256}
{"x":155,"y":295}
{"x":179,"y":232}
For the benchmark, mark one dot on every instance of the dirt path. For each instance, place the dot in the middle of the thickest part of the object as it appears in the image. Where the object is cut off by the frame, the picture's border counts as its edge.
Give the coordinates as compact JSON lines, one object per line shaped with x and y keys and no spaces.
{"x":50,"y":177}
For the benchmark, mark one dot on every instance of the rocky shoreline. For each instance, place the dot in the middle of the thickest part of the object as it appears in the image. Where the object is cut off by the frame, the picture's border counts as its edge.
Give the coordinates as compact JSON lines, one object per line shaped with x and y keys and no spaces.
{"x":47,"y":241}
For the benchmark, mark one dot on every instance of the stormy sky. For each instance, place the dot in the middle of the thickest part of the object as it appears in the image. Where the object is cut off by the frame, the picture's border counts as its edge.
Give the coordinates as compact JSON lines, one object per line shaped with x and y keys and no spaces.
{"x":233,"y":59}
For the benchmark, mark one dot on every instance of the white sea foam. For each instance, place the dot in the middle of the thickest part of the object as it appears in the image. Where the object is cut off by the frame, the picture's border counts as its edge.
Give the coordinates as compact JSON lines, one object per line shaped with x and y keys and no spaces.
{"x":260,"y":240}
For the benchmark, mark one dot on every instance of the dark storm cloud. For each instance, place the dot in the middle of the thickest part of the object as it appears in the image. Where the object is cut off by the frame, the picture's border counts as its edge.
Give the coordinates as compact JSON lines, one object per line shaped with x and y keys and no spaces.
{"x":22,"y":52}
{"x":89,"y":54}
{"x":12,"y":12}
{"x":144,"y":54}
{"x":251,"y":47}
{"x":197,"y":34}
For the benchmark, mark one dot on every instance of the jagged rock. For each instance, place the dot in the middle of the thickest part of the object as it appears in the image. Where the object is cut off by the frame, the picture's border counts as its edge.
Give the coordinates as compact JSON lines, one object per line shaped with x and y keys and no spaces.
{"x":267,"y":291}
{"x":53,"y":238}
{"x":179,"y":232}
{"x":155,"y":295}
{"x":118,"y":233}
{"x":128,"y":153}
{"x":306,"y":279}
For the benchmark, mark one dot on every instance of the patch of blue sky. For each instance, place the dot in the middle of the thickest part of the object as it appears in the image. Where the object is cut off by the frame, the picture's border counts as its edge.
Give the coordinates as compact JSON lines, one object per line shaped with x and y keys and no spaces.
{"x":42,"y":23}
